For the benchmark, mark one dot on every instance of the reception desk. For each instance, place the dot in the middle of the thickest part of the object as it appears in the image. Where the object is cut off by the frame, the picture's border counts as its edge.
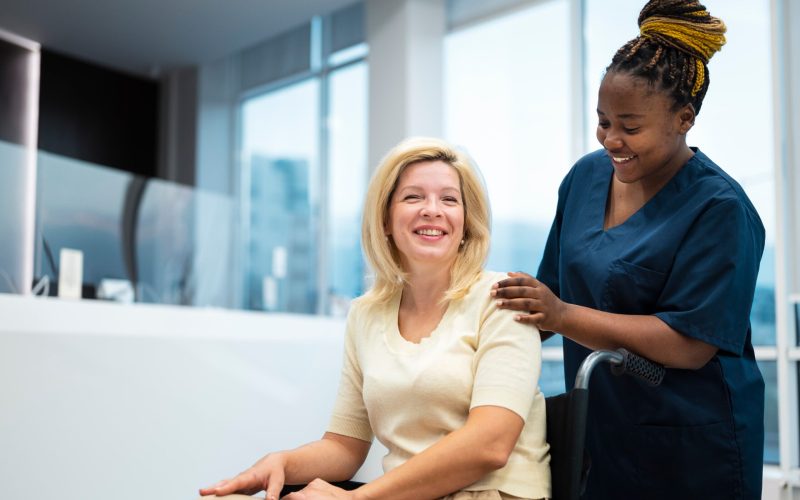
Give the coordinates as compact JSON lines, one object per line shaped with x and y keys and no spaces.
{"x":100,"y":400}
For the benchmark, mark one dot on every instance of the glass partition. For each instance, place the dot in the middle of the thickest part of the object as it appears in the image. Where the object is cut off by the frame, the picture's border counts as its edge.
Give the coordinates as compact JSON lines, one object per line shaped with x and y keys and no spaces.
{"x":13,"y":189}
{"x":167,"y":243}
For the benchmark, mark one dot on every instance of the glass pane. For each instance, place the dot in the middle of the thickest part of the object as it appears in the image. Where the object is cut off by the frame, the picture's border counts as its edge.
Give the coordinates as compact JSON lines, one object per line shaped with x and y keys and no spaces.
{"x":771,"y":435}
{"x":797,"y":322}
{"x":280,"y":143}
{"x":552,"y":380}
{"x":170,"y":243}
{"x":494,"y":80}
{"x":13,"y":200}
{"x":79,"y":205}
{"x":610,"y":23}
{"x":184,"y":246}
{"x":347,"y":183}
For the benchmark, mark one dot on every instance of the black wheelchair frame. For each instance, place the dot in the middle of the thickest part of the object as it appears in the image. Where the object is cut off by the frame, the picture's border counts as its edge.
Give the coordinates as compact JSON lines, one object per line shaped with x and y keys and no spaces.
{"x":570,"y":464}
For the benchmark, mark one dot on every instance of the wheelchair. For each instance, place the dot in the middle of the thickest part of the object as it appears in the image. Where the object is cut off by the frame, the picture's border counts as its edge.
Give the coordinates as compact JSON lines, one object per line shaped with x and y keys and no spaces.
{"x":570,"y":464}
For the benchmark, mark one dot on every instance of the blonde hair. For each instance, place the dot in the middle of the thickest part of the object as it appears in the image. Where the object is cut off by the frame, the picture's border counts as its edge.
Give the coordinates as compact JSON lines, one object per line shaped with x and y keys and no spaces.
{"x":380,"y":251}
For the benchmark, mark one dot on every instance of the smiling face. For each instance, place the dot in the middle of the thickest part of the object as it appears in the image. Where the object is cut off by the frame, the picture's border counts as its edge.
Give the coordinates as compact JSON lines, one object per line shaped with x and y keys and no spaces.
{"x":644,"y":135}
{"x":426,"y":216}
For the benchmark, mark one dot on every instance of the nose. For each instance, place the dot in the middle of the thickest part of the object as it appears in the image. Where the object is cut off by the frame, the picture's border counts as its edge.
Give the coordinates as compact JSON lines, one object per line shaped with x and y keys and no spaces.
{"x":610,"y":139}
{"x":431,"y":207}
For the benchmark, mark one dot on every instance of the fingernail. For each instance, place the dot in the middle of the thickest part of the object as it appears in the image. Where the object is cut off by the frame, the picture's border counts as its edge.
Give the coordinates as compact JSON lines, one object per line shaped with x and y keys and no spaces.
{"x":499,"y":303}
{"x":493,"y":293}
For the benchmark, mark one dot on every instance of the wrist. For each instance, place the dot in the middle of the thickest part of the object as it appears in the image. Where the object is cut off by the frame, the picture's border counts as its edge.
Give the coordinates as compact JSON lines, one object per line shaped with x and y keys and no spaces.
{"x":564,"y":318}
{"x":359,"y":494}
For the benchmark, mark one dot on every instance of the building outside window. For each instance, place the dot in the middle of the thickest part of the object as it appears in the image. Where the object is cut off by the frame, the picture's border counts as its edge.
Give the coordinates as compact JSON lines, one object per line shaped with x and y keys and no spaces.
{"x":303,"y":158}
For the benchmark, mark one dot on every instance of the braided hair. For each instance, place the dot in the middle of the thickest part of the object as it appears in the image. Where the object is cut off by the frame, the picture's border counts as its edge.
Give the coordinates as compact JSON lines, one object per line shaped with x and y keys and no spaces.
{"x":677,"y":39}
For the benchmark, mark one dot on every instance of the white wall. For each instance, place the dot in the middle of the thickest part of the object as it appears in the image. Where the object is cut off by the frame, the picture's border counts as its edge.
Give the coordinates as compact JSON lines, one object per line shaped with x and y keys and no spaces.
{"x":129,"y":402}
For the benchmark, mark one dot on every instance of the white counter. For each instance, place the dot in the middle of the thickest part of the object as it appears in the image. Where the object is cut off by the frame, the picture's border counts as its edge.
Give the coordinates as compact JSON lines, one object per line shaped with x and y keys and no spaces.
{"x":99,"y":400}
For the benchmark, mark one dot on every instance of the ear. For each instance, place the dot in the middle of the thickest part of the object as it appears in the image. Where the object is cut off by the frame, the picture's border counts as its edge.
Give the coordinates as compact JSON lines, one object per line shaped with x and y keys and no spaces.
{"x":686,"y":116}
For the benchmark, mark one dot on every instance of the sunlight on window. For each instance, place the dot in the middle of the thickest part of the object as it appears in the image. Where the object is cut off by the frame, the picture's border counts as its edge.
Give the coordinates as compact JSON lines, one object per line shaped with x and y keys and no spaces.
{"x":507,"y":103}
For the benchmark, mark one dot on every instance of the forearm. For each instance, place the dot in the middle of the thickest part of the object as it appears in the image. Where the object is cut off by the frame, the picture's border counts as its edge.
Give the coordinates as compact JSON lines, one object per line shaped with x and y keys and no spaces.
{"x":645,"y":335}
{"x":457,"y":460}
{"x":331,"y":458}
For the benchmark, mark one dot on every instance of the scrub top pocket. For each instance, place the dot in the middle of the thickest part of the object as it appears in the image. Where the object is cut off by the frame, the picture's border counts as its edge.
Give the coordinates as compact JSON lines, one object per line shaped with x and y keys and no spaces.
{"x":631,"y":288}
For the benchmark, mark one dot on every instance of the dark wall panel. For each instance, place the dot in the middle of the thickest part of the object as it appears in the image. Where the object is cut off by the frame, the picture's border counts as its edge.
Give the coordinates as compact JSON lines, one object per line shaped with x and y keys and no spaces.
{"x":13,"y":92}
{"x":99,"y":115}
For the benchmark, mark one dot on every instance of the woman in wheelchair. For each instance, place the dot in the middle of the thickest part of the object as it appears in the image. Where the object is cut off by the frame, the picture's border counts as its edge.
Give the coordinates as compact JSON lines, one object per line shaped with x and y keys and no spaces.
{"x":432,"y":368}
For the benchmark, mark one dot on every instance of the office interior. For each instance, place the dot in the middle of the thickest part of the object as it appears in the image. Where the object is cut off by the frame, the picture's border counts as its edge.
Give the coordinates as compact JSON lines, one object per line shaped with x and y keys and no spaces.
{"x":181,"y":186}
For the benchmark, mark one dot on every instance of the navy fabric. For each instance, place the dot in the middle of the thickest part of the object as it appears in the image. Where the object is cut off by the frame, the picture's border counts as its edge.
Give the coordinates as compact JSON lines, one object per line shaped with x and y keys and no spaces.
{"x":690,"y":256}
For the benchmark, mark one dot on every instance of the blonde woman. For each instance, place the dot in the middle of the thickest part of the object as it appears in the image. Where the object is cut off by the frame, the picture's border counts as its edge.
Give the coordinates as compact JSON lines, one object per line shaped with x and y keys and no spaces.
{"x":442,"y":377}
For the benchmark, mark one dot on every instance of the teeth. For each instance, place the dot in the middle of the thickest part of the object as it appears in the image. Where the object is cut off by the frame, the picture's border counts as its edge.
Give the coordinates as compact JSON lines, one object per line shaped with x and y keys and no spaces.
{"x":622,"y":158}
{"x":430,"y":232}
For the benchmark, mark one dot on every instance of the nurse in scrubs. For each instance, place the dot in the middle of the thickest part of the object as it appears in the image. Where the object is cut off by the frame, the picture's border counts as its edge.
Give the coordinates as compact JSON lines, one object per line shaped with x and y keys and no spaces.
{"x":656,"y":249}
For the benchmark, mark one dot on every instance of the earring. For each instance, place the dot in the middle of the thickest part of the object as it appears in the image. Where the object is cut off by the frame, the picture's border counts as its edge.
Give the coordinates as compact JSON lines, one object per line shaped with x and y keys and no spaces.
{"x":462,"y":242}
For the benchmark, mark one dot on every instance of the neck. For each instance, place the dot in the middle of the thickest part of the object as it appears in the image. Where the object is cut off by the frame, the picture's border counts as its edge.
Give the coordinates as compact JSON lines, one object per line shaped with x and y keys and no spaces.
{"x":425,"y":289}
{"x":653,"y":184}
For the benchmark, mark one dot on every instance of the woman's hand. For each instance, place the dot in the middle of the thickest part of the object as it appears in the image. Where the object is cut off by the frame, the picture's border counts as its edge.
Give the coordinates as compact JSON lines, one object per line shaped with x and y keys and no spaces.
{"x":266,"y":474}
{"x":321,"y":490}
{"x":540,"y":306}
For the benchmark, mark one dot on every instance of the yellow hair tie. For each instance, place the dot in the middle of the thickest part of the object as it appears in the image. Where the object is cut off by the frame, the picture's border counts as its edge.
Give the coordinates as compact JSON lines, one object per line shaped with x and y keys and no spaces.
{"x":701,"y":40}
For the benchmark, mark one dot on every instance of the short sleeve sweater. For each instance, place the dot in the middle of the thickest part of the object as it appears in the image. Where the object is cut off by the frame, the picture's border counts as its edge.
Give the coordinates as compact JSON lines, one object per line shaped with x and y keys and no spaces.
{"x":411,"y":395}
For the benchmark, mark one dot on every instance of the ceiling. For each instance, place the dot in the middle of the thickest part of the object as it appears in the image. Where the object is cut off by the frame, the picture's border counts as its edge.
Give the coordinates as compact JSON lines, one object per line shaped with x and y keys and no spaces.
{"x":148,"y":37}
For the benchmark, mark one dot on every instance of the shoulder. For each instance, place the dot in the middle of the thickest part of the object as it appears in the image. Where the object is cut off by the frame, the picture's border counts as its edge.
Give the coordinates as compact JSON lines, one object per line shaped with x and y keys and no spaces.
{"x":365,"y":315}
{"x":711,"y":186}
{"x":484,"y":284}
{"x":584,"y":171}
{"x":479,"y":302}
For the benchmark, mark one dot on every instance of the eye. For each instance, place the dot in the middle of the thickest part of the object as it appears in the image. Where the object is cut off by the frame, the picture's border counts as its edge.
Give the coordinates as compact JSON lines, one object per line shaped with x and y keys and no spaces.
{"x":631,"y":130}
{"x":603,"y":124}
{"x":450,"y":200}
{"x":411,"y":197}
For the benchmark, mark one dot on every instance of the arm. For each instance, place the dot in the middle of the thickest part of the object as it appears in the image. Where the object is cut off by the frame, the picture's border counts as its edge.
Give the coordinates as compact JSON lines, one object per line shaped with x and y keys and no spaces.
{"x":334,"y":457}
{"x":457,"y":460}
{"x":643,"y":334}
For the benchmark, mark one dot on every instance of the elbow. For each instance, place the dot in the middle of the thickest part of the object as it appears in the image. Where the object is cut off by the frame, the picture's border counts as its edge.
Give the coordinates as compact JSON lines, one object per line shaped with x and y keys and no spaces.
{"x":496,"y":457}
{"x":695,"y":359}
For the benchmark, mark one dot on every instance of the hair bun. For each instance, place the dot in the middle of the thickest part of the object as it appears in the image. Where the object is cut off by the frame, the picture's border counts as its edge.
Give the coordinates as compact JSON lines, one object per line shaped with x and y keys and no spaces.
{"x":683,"y":24}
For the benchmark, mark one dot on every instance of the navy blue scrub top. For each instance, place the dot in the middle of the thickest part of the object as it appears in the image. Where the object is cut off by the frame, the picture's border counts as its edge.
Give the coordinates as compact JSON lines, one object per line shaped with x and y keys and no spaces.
{"x":689,"y":256}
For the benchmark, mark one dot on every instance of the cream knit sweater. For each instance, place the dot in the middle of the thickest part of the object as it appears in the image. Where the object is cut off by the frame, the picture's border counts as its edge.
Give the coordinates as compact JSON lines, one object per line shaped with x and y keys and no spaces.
{"x":411,"y":395}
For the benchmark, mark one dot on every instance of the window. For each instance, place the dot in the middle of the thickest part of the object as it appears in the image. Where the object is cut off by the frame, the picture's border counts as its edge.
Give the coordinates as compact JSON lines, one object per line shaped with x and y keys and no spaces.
{"x":280,"y":154}
{"x":347,"y":184}
{"x":304,"y":171}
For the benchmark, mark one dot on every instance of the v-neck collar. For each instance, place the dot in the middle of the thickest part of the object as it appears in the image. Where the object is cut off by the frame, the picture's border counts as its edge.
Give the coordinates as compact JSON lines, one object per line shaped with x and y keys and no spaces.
{"x":604,"y":177}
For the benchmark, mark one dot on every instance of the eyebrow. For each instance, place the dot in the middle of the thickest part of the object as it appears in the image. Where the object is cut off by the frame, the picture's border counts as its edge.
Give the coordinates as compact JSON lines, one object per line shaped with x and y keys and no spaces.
{"x":448,"y":188}
{"x":623,"y":116}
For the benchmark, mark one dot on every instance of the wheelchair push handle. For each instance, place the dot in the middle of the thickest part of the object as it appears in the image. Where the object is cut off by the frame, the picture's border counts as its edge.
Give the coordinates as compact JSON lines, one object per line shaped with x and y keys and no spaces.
{"x":641,"y":368}
{"x":623,"y":362}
